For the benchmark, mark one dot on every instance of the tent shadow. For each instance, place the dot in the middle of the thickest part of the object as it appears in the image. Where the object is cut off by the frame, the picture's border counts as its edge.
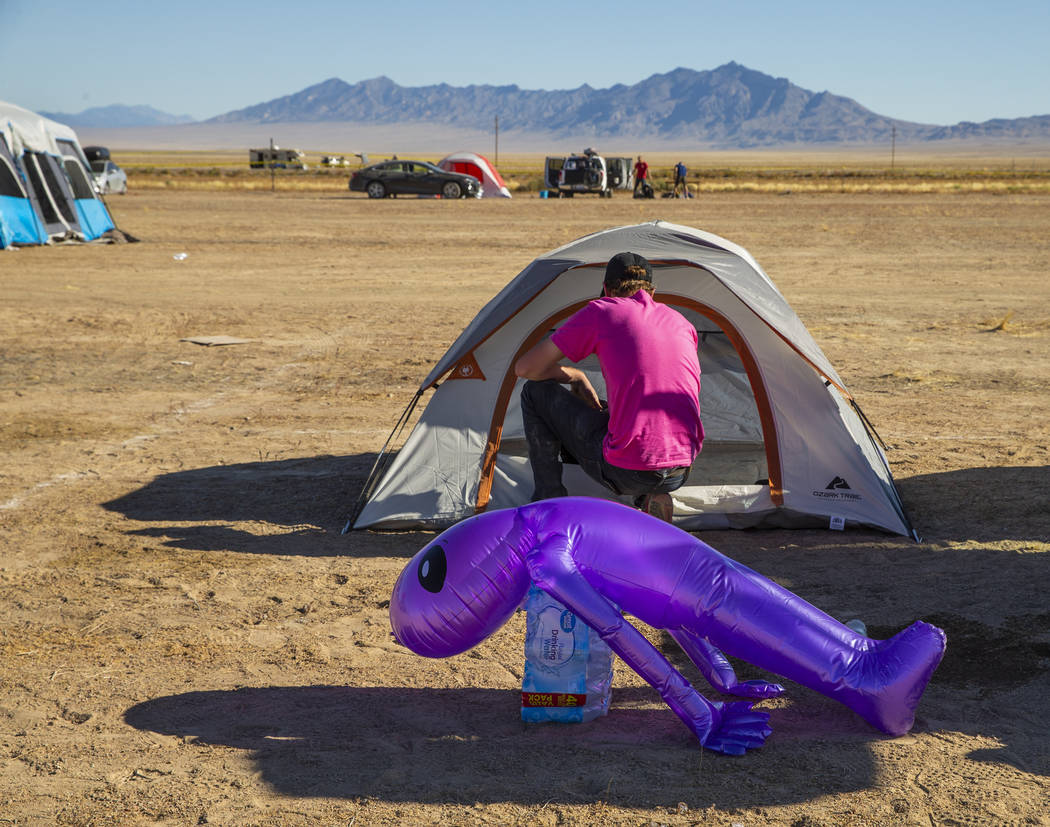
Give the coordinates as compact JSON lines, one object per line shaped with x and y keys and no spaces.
{"x":467,"y":745}
{"x":293,"y":492}
{"x":312,"y":496}
{"x":996,"y":503}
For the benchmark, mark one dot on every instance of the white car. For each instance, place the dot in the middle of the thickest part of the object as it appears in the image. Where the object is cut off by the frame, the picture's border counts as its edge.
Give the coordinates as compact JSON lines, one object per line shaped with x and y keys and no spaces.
{"x":109,"y":177}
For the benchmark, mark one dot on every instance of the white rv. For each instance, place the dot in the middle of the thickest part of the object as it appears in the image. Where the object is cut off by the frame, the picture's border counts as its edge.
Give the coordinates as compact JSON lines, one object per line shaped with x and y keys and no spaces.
{"x":276,"y":158}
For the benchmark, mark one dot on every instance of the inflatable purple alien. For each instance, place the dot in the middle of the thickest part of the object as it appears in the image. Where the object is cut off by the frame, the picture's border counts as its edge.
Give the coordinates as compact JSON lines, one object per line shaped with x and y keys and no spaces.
{"x":594,"y":555}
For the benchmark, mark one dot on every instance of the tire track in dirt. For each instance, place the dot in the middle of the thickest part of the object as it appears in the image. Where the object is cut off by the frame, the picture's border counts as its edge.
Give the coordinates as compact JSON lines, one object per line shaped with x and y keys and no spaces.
{"x":323,"y":343}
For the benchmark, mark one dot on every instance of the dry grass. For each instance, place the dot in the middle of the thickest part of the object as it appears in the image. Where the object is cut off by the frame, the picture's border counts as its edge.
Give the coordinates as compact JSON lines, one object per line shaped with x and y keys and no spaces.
{"x":711,"y":172}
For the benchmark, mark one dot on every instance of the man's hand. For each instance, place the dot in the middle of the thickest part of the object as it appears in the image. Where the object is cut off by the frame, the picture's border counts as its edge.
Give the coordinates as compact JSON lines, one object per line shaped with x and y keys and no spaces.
{"x":543,"y":361}
{"x":582,"y":388}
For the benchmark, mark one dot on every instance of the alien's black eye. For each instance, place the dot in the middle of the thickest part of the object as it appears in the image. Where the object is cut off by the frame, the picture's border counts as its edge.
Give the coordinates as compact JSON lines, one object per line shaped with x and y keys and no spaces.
{"x":432,"y":569}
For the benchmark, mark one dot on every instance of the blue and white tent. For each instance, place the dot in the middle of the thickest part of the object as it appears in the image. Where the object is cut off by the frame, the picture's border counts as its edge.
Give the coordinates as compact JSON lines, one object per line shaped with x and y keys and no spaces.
{"x":46,"y":189}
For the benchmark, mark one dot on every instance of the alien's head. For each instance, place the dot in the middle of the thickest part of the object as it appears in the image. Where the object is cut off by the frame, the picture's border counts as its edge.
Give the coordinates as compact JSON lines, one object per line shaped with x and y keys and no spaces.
{"x":461,"y":587}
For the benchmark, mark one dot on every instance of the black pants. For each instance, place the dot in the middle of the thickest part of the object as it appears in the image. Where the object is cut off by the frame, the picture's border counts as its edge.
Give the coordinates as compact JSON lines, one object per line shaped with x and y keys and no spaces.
{"x":555,"y":420}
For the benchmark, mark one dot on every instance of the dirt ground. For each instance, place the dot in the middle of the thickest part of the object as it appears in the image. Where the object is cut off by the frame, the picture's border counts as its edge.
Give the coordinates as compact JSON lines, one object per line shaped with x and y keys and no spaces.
{"x":187,"y":637}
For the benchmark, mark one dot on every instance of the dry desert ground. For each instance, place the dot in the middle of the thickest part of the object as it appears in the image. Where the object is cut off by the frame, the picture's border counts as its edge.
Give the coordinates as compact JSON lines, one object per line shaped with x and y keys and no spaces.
{"x":187,"y":638}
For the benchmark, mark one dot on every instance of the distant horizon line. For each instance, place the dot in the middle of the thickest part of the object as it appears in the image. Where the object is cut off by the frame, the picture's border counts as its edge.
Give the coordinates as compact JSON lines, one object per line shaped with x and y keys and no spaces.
{"x":349,"y":137}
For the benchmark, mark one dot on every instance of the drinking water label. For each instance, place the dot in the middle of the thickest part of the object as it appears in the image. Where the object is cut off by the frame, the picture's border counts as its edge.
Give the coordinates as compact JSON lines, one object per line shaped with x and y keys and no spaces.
{"x":568,"y":667}
{"x":553,"y":640}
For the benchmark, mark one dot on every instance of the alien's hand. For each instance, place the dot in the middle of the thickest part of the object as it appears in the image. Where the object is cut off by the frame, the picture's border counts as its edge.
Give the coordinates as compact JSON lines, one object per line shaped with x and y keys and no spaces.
{"x":738,"y":728}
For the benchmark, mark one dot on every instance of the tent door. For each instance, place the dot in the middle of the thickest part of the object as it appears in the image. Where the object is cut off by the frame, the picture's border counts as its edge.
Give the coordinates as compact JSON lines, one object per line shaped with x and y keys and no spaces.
{"x":91,"y":212}
{"x":467,"y":168}
{"x":19,"y":223}
{"x":51,"y":193}
{"x":721,"y":454}
{"x":78,"y":175}
{"x":10,"y":182}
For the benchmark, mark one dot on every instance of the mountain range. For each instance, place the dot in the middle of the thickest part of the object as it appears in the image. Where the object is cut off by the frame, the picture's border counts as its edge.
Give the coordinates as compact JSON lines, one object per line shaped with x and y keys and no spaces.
{"x":119,"y":115}
{"x":728,"y":107}
{"x":731,"y":106}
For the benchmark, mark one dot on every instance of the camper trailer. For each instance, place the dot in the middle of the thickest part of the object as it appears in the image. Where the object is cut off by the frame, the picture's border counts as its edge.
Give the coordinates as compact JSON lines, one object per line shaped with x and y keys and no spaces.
{"x":276,"y":158}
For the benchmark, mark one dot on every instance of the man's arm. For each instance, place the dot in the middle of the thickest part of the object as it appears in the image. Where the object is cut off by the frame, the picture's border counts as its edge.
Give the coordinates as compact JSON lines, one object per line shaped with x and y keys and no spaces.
{"x":543,"y":361}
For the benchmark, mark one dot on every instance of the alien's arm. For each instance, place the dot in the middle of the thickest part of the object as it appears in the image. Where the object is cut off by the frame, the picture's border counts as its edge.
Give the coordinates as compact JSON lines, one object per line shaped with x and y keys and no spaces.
{"x":717,"y":669}
{"x":731,"y":728}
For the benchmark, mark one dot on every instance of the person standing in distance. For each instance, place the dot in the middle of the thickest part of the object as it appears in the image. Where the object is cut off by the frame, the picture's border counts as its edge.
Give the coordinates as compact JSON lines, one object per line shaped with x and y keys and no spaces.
{"x":641,"y":174}
{"x":679,"y":179}
{"x":644,"y":440}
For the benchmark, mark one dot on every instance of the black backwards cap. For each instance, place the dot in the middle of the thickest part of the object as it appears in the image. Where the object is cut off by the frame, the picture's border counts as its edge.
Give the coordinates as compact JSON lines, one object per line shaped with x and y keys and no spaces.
{"x":616,"y":270}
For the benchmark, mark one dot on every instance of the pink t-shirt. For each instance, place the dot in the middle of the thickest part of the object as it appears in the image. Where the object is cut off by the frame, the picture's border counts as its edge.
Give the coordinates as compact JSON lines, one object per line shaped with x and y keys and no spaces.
{"x":647,"y":353}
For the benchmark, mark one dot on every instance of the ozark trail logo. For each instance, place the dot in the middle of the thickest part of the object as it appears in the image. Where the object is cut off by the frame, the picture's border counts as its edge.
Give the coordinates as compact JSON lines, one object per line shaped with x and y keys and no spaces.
{"x":837,"y":489}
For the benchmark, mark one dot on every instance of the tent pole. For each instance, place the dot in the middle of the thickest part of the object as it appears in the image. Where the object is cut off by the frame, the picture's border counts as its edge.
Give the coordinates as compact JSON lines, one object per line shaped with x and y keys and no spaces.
{"x":376,"y":473}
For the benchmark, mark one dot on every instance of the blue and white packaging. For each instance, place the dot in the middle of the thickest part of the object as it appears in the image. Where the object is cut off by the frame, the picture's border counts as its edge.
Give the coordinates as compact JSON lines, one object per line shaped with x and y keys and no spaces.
{"x":568,"y":667}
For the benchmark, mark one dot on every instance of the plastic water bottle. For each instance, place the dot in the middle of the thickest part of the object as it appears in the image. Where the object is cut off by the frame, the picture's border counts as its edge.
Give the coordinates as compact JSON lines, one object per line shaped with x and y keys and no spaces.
{"x":858,"y":626}
{"x":568,"y":667}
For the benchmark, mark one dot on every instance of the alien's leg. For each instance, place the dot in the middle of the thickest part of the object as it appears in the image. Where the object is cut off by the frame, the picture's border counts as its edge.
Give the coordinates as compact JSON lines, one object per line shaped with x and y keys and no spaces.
{"x":750,"y":617}
{"x":718,"y":671}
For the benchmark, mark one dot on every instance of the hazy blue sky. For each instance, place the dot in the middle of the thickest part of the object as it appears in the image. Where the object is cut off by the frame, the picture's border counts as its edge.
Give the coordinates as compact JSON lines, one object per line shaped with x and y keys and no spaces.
{"x":930,"y":61}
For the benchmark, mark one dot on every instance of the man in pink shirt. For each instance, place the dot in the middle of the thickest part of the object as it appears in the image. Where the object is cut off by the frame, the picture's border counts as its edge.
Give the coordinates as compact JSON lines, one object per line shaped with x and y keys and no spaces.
{"x":644,"y":440}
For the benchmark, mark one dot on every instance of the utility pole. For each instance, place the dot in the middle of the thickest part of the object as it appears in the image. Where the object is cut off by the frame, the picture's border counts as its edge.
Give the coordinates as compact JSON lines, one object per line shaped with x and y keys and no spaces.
{"x":273,"y":168}
{"x":497,"y":142}
{"x":893,"y":148}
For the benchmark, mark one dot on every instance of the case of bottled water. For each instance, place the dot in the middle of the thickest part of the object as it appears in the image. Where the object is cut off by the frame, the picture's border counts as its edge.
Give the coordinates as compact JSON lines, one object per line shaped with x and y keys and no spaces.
{"x":568,"y":668}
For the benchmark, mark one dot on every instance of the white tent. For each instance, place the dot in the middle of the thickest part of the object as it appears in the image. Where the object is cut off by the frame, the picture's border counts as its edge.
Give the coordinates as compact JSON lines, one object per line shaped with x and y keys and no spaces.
{"x":470,"y":163}
{"x":785,"y":446}
{"x":46,"y":189}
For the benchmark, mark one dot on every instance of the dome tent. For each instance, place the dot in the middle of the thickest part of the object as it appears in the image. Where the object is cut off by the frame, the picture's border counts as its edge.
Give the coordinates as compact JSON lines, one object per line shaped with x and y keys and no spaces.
{"x":470,"y":163}
{"x":786,"y":445}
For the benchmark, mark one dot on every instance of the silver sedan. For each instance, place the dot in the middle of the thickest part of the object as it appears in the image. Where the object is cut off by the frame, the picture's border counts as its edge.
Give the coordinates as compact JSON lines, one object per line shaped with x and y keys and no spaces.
{"x":109,"y":177}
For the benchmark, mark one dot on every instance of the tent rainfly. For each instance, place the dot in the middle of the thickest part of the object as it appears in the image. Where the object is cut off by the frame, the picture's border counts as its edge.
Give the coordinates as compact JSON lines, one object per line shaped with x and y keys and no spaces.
{"x":786,"y":444}
{"x":46,"y":188}
{"x":470,"y":163}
